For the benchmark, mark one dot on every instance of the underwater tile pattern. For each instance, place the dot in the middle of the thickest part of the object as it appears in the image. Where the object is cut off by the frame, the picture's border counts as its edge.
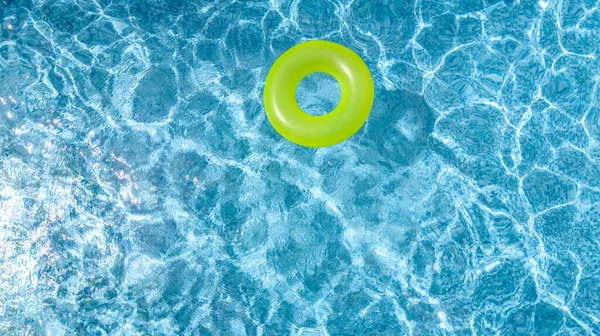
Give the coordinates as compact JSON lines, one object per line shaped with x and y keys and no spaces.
{"x":144,"y":192}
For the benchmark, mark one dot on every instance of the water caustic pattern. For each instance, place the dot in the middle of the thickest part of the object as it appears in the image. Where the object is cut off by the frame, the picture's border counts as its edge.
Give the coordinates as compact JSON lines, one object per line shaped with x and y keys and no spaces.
{"x":144,"y":192}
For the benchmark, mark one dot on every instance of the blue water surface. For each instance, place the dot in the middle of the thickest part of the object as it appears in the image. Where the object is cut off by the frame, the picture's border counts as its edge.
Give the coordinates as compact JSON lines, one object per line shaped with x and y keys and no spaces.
{"x":144,"y":192}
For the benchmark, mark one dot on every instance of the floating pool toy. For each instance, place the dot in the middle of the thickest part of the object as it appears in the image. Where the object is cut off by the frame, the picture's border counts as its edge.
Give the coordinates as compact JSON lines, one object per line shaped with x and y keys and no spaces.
{"x":318,"y":131}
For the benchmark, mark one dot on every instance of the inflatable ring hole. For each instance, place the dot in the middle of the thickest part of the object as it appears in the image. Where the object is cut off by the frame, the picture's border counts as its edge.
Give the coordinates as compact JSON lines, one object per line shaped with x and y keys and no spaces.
{"x":318,"y":94}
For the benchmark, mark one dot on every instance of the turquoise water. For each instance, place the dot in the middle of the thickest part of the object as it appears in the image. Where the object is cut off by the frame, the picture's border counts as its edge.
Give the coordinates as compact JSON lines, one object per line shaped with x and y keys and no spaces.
{"x":143,"y":191}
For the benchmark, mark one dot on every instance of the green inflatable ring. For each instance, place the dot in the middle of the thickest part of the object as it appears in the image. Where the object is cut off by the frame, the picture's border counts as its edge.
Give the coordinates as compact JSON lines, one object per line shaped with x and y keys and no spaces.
{"x":318,"y":131}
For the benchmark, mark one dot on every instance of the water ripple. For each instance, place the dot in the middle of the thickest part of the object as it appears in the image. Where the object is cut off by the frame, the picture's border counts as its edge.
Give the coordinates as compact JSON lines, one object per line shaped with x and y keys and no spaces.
{"x":143,"y":191}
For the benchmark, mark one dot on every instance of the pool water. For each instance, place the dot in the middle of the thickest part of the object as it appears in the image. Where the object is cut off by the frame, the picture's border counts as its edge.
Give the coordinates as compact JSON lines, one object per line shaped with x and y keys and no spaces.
{"x":144,"y":192}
